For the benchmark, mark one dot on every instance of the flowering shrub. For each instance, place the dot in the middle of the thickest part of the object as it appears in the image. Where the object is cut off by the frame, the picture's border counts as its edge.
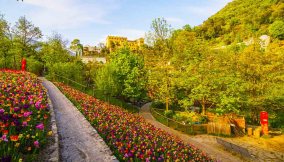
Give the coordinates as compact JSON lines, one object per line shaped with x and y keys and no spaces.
{"x":23,"y":115}
{"x":169,"y":113}
{"x":189,"y":117}
{"x":128,"y":135}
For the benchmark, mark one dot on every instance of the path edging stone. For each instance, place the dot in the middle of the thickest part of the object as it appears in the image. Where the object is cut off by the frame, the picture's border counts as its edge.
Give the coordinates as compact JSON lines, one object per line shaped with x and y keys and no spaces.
{"x":51,"y":152}
{"x":54,"y":156}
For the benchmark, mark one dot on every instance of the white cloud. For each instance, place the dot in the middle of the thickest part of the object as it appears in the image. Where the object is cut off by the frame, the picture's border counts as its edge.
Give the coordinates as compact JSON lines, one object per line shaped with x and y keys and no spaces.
{"x":66,"y":14}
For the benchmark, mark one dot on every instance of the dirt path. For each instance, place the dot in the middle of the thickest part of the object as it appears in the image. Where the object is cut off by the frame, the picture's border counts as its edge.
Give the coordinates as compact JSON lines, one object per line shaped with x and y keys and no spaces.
{"x":78,"y":140}
{"x":203,"y":142}
{"x":261,"y":149}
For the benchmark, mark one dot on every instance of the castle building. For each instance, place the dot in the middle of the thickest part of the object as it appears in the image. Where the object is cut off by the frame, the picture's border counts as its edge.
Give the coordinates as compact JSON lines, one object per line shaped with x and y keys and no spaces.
{"x":116,"y":42}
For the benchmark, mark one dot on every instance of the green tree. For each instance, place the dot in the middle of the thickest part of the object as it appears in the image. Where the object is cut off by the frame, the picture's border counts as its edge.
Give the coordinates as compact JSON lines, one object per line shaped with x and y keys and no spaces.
{"x":158,"y":55}
{"x":54,"y":50}
{"x":124,"y":75}
{"x":5,"y":42}
{"x":105,"y":80}
{"x":160,"y":83}
{"x":73,"y":70}
{"x":160,"y":31}
{"x":130,"y":73}
{"x":26,"y":36}
{"x":203,"y":80}
{"x":261,"y":74}
{"x":158,"y":38}
{"x":77,"y":46}
{"x":185,"y":46}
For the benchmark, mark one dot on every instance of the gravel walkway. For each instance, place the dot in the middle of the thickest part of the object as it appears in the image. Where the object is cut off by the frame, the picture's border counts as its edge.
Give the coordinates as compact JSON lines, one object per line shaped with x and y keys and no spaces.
{"x":203,"y":142}
{"x":78,"y":140}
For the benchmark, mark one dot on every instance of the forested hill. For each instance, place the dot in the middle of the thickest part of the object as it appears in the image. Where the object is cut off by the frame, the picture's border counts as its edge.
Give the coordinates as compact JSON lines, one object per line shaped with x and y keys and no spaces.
{"x":242,"y":19}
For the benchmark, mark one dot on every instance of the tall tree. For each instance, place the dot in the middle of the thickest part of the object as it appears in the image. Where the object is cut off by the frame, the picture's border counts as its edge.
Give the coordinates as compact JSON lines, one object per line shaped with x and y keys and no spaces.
{"x":158,"y":57}
{"x":77,"y":46}
{"x":124,"y":75}
{"x":26,"y":35}
{"x":160,"y":30}
{"x":5,"y":41}
{"x":105,"y":80}
{"x":129,"y":69}
{"x":54,"y":50}
{"x":263,"y":75}
{"x":160,"y":86}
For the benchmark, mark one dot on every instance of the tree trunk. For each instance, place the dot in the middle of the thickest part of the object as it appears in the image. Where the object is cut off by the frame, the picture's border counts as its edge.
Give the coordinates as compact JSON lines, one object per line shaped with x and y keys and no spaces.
{"x":15,"y":63}
{"x":5,"y":65}
{"x":167,"y":104}
{"x":203,"y":106}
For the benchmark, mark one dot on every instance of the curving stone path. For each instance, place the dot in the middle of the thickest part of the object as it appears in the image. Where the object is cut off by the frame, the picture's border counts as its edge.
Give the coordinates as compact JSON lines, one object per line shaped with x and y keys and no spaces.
{"x":78,"y":140}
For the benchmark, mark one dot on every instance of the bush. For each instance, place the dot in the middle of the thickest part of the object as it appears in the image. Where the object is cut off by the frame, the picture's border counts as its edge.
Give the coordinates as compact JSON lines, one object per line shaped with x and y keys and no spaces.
{"x":71,"y":70}
{"x":276,"y":120}
{"x":169,"y":113}
{"x":2,"y":63}
{"x":190,"y":118}
{"x":34,"y":66}
{"x":8,"y":63}
{"x":158,"y":105}
{"x":180,"y":118}
{"x":204,"y":119}
{"x":276,"y":29}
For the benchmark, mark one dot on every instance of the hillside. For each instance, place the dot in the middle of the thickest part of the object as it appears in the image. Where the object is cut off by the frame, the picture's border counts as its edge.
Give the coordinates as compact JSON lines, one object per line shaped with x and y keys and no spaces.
{"x":242,"y":19}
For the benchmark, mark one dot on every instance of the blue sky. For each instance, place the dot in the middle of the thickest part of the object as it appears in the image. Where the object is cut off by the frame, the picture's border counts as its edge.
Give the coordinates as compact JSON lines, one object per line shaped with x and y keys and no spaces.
{"x":92,"y":20}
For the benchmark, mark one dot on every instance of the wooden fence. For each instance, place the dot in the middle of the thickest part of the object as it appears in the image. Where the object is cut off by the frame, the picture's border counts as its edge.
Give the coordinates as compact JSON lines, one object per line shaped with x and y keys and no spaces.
{"x":186,"y":128}
{"x":219,"y":128}
{"x":228,"y":124}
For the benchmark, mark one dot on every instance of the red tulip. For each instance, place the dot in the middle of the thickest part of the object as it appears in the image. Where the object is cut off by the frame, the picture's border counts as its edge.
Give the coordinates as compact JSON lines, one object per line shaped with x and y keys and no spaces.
{"x":14,"y":138}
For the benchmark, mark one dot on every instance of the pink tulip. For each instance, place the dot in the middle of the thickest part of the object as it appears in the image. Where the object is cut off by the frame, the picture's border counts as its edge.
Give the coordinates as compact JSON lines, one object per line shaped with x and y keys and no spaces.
{"x":4,"y":138}
{"x":40,"y":126}
{"x":26,"y":114}
{"x":36,"y":144}
{"x":25,"y":124}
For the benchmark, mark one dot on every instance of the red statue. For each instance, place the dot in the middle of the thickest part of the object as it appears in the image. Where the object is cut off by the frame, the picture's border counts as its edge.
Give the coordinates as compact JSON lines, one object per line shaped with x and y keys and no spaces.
{"x":264,"y":122}
{"x":24,"y":64}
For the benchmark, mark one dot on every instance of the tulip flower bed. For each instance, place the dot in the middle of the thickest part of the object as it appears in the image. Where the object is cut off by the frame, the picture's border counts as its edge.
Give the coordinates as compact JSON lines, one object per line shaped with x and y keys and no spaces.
{"x":23,"y":116}
{"x":128,"y":135}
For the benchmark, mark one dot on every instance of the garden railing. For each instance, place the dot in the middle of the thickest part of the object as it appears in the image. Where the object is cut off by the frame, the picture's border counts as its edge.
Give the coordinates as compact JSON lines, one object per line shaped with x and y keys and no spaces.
{"x":90,"y":89}
{"x":68,"y":81}
{"x":186,"y":128}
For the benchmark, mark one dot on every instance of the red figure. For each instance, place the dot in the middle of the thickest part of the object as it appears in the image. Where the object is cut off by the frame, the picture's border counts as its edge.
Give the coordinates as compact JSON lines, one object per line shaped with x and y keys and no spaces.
{"x":24,"y":64}
{"x":264,"y":122}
